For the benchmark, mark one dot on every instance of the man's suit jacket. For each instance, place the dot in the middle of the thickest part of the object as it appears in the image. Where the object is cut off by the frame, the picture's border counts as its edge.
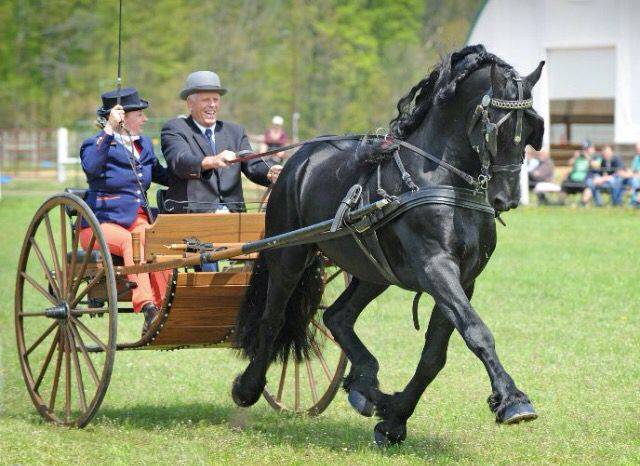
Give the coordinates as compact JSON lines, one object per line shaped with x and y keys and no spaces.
{"x":184,"y":146}
{"x":114,"y":194}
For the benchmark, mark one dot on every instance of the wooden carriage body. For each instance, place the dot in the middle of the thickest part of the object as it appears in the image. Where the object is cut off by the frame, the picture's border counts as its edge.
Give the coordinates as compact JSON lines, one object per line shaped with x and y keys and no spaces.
{"x":200,"y":308}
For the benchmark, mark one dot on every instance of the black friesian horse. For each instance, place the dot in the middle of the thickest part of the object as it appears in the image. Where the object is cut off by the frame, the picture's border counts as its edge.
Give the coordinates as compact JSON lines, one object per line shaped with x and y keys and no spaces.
{"x":437,"y":248}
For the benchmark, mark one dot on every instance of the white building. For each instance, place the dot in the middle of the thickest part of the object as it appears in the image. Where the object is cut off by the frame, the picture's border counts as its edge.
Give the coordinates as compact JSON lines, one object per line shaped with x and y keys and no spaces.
{"x":590,"y":86}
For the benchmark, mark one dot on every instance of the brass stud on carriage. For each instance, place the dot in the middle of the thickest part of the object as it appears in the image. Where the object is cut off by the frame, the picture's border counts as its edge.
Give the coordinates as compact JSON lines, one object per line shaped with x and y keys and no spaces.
{"x":68,"y":304}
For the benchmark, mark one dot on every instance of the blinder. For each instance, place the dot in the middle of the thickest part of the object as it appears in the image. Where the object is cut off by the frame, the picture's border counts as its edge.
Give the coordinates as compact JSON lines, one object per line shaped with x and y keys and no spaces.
{"x":485,"y":142}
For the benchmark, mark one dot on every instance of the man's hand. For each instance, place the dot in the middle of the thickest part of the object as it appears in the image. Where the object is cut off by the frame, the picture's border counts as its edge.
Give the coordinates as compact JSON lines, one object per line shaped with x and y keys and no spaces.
{"x":116,"y":117}
{"x":218,"y":161}
{"x":273,"y":173}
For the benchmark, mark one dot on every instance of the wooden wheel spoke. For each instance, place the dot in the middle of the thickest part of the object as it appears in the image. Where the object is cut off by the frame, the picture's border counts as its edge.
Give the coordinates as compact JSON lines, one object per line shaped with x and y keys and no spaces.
{"x":63,"y":246}
{"x":296,"y":372}
{"x":325,"y":367}
{"x":41,"y":338}
{"x":45,"y":267}
{"x":89,"y":332}
{"x":67,"y":378}
{"x":312,"y":382}
{"x":76,"y":366}
{"x":52,"y":246}
{"x":85,"y":353}
{"x":74,"y":255}
{"x":324,"y":331}
{"x":283,"y":375}
{"x":83,"y":268}
{"x":88,"y":288}
{"x":32,"y":314}
{"x":47,"y":360}
{"x":56,"y":376}
{"x":38,"y":287}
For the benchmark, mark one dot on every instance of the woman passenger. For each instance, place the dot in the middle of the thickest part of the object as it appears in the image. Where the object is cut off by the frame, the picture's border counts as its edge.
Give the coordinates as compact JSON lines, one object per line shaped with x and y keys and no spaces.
{"x":120,"y":168}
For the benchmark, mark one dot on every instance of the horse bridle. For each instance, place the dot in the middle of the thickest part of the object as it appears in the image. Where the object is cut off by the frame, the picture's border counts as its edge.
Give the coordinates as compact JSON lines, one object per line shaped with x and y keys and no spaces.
{"x":487,"y":146}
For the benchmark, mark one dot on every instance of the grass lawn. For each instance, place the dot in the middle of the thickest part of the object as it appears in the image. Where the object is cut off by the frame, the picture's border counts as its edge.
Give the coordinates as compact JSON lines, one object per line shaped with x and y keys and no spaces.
{"x":560,"y":294}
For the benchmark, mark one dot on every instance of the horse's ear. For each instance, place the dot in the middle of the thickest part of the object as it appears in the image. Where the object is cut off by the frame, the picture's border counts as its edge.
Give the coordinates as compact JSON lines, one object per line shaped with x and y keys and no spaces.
{"x":533,"y":78}
{"x":498,"y":78}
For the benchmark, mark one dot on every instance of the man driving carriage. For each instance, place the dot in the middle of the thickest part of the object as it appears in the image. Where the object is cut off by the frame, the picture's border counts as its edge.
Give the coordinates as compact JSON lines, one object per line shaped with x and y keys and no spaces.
{"x":198,"y":148}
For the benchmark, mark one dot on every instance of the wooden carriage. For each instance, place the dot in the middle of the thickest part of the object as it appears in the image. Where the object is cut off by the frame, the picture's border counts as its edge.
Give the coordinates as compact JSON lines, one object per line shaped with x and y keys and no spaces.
{"x":70,"y":308}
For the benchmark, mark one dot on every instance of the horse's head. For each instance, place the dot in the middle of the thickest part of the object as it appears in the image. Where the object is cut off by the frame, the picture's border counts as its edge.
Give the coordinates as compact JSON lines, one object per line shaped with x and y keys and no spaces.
{"x":501,"y":124}
{"x":488,"y":145}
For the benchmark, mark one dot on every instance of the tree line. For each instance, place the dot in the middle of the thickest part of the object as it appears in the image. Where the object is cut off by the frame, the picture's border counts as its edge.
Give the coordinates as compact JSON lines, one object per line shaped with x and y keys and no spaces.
{"x":341,"y":64}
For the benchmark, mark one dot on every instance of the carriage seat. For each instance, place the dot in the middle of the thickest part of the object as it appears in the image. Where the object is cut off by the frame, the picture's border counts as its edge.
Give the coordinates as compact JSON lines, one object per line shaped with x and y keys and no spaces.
{"x":95,"y":257}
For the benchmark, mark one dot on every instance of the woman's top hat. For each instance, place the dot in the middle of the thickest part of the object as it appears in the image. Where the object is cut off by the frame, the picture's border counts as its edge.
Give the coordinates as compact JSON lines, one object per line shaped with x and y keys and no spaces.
{"x":129,"y":99}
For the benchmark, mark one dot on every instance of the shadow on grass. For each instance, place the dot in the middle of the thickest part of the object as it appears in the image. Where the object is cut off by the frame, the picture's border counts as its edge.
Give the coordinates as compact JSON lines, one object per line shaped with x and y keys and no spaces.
{"x":275,"y":428}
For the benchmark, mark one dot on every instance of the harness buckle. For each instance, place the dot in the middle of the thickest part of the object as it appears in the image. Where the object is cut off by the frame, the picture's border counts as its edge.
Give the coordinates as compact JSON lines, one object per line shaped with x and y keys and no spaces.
{"x":482,"y":183}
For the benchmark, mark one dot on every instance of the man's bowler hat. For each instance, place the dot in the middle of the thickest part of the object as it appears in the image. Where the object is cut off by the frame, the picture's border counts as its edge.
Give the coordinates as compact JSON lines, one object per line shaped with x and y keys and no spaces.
{"x":129,"y":99}
{"x":202,"y":81}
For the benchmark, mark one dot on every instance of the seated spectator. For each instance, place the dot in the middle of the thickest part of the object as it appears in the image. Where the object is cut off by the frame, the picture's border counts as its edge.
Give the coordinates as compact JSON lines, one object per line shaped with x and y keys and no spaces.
{"x":531,"y":163}
{"x":631,"y":177}
{"x":542,"y":173}
{"x":635,"y":180}
{"x":574,"y":183}
{"x":606,"y":173}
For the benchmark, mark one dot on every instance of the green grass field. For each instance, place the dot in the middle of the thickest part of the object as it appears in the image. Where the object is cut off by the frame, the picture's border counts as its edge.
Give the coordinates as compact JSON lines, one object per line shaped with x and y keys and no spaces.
{"x":560,"y":294}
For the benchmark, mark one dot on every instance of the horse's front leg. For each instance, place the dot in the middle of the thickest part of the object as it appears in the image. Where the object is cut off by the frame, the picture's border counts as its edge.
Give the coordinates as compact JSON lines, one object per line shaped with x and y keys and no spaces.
{"x":442,"y":280}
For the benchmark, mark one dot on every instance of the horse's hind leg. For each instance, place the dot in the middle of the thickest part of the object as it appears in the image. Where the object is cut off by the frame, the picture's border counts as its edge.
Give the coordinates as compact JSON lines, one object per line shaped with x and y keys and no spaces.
{"x":283,"y":279}
{"x":394,"y":410}
{"x":340,"y":318}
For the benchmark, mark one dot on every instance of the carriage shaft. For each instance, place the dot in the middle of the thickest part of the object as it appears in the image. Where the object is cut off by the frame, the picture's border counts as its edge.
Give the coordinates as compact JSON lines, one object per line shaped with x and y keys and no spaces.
{"x":315,"y":233}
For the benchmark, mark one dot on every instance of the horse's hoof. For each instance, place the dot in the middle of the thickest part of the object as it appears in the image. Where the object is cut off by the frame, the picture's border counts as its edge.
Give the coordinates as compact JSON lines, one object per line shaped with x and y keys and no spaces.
{"x":358,"y":401}
{"x":518,"y":412}
{"x":384,"y":438}
{"x":238,"y":399}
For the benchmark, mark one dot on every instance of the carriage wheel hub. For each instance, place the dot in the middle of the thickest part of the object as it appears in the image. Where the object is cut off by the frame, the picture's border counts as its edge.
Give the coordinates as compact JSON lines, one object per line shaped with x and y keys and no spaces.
{"x":58,"y":312}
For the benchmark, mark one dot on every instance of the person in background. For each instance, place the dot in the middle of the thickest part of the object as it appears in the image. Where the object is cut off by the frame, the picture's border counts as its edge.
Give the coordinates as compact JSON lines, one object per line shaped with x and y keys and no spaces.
{"x":574,"y":183}
{"x":631,"y":178}
{"x":120,"y":168}
{"x":606,"y":174}
{"x":275,"y":137}
{"x":542,"y":173}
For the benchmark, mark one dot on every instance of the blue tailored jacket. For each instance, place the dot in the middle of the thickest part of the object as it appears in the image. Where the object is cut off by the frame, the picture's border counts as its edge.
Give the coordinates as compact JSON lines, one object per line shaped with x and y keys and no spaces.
{"x":114,"y":194}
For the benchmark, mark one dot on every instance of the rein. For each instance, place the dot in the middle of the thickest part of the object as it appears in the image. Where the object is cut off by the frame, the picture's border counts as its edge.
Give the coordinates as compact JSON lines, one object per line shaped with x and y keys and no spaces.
{"x":486,"y":148}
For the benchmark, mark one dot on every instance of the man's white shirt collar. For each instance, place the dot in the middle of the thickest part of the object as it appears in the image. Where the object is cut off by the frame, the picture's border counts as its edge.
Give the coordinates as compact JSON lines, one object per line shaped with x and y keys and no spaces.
{"x":204,"y":128}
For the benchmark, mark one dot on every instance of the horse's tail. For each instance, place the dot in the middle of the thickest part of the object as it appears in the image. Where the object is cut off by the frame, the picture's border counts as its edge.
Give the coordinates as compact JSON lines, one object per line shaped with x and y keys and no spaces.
{"x":302,"y":306}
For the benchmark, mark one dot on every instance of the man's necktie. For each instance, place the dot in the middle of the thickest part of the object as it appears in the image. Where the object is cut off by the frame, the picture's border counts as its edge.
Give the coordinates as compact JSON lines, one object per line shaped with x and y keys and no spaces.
{"x":208,"y":133}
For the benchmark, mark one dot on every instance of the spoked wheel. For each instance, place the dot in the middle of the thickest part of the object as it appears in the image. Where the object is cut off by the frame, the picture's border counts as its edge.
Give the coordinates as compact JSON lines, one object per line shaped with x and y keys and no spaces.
{"x":310,"y":386}
{"x":264,"y":198}
{"x":65,"y":313}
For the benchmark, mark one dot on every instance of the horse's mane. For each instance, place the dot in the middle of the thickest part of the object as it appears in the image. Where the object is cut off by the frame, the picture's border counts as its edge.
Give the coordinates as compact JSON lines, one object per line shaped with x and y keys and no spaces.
{"x":439,"y":86}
